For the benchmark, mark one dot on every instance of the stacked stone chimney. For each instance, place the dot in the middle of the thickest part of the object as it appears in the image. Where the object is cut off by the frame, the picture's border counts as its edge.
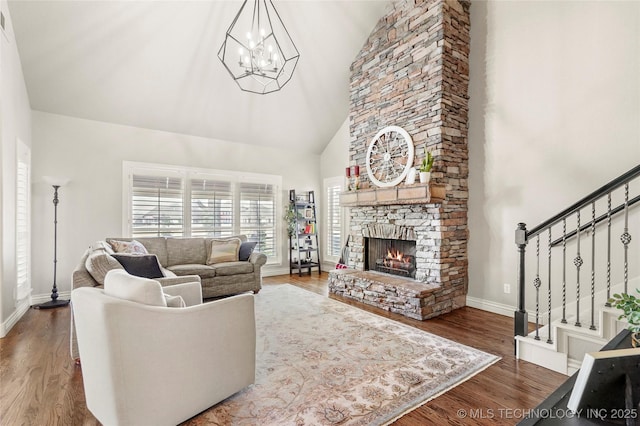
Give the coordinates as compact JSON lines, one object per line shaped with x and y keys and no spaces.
{"x":413,"y":72}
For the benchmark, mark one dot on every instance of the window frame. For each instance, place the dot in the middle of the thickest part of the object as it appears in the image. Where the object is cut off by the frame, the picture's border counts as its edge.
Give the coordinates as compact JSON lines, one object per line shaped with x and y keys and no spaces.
{"x":187,"y":174}
{"x":23,"y":286}
{"x":337,"y":181}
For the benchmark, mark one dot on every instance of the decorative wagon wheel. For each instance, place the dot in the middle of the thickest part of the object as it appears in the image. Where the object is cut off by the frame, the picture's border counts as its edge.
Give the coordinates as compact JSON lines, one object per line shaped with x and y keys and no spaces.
{"x":390,"y":156}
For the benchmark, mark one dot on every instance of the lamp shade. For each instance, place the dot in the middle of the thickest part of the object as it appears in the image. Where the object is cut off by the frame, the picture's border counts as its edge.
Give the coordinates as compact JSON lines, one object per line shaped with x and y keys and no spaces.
{"x":56,"y":180}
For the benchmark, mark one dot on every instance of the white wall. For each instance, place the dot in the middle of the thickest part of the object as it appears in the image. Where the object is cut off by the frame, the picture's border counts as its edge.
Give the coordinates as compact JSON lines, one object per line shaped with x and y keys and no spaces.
{"x":554,"y":114}
{"x":15,"y":122}
{"x":91,"y":154}
{"x":335,"y":157}
{"x":333,"y":161}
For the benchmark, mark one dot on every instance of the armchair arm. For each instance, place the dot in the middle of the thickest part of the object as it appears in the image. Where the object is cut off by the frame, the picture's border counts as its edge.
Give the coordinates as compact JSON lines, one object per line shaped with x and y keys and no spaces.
{"x":191,"y":292}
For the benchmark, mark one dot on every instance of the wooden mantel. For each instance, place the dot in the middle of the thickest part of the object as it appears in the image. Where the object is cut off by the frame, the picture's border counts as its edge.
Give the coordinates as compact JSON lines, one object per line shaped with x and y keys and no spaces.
{"x":419,"y":193}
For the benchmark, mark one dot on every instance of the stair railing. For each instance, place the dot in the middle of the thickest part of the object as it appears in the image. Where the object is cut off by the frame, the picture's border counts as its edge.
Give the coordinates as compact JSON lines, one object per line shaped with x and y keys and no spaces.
{"x":523,"y":236}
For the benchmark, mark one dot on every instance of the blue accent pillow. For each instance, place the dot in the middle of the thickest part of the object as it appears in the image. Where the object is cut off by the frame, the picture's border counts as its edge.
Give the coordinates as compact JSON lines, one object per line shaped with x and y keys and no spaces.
{"x":146,"y":266}
{"x":246,"y":249}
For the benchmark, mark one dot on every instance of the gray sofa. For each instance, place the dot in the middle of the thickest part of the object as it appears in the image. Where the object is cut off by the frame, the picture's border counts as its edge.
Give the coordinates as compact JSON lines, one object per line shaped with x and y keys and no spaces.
{"x":185,"y":257}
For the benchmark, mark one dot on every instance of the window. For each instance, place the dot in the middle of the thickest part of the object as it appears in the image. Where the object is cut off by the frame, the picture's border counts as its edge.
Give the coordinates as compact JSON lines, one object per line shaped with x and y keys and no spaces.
{"x":23,"y":223}
{"x":258,"y":215}
{"x":156,"y":206}
{"x":180,"y":201}
{"x":211,"y":208}
{"x":334,"y":218}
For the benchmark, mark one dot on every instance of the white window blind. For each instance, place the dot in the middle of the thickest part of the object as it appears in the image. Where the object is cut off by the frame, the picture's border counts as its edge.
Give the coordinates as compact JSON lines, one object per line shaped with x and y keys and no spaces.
{"x":333,"y":234}
{"x":211,"y":208}
{"x":258,"y":215}
{"x":163,"y":200}
{"x":157,"y":206}
{"x":23,"y":223}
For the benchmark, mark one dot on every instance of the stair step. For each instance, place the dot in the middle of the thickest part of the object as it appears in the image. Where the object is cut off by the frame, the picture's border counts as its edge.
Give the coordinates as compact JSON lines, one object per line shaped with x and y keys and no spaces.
{"x":569,"y":342}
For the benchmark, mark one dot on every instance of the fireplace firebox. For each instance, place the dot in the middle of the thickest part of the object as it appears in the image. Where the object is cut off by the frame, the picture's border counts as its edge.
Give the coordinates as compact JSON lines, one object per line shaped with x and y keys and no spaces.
{"x":394,"y":257}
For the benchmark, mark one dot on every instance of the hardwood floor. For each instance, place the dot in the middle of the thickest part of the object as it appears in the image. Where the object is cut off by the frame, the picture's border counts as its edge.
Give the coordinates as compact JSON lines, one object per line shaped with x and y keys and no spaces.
{"x":40,"y":385}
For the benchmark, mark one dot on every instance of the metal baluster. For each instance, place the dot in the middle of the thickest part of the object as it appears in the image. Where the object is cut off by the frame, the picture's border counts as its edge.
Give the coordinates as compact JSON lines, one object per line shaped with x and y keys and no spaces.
{"x":564,"y":271}
{"x":593,"y":265}
{"x":577,"y":261}
{"x":536,"y":284}
{"x":549,"y":340}
{"x":608,"y":249}
{"x":626,"y":237}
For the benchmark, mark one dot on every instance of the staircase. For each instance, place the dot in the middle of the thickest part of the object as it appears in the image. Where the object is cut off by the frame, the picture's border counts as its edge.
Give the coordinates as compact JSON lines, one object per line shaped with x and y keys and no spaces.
{"x":570,"y":278}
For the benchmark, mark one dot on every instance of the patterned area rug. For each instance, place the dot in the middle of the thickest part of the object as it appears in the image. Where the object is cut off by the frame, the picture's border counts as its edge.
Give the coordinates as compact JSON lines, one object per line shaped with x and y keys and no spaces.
{"x":322,"y":362}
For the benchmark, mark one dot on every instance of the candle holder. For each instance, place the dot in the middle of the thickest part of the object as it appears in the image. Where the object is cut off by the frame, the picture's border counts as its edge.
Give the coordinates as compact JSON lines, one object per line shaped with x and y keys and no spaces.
{"x":356,"y":178}
{"x":348,"y":178}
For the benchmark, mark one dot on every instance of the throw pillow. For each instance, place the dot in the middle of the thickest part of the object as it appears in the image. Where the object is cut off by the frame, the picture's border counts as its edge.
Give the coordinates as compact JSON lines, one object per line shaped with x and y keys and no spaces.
{"x":98,"y":263}
{"x":102,"y":245}
{"x":174,"y":301}
{"x":145,"y":266}
{"x":224,"y":251}
{"x":131,"y":247}
{"x":246,"y":249}
{"x":118,"y":283}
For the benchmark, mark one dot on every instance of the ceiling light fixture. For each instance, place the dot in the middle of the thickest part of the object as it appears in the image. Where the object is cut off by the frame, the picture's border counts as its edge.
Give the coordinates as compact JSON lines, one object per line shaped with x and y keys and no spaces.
{"x":257,"y":50}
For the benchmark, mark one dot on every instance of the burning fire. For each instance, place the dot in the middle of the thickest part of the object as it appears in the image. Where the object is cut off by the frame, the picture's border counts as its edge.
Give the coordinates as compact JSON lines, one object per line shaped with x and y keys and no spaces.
{"x":393,"y":254}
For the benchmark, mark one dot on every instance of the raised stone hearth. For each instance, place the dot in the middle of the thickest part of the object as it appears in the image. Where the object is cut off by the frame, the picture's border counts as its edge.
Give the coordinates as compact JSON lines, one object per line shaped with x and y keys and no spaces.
{"x":395,"y":294}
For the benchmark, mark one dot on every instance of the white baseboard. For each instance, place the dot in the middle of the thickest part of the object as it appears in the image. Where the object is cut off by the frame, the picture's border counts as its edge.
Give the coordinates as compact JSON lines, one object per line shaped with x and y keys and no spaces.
{"x":41,"y":298}
{"x":489,"y":306}
{"x":21,"y":309}
{"x":272,"y":271}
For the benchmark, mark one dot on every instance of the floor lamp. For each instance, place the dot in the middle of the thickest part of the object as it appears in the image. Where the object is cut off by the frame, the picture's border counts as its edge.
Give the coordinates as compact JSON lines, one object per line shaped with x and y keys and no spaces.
{"x":54,"y":302}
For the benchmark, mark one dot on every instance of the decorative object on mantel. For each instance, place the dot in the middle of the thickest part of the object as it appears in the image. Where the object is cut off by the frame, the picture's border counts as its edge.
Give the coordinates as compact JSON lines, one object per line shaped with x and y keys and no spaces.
{"x":411,"y":176}
{"x":258,"y":51}
{"x":353,"y":171}
{"x":54,"y":302}
{"x":630,"y":306}
{"x":425,"y":167}
{"x":389,"y":156}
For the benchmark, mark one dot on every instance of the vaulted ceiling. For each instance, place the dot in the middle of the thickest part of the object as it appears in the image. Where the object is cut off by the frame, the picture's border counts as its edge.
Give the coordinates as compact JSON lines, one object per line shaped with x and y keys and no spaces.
{"x":154,"y":64}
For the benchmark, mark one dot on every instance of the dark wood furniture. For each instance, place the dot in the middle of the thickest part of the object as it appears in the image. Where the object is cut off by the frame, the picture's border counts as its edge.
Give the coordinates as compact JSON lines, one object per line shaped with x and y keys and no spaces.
{"x":553,"y":410}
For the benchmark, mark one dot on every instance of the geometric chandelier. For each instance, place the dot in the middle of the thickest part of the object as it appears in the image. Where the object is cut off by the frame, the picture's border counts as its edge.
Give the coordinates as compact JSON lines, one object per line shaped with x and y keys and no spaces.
{"x":257,"y":50}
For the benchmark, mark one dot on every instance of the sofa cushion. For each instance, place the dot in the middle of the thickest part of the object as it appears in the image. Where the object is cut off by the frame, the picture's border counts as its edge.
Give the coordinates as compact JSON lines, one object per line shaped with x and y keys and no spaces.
{"x":184,"y":251}
{"x":203,"y":271}
{"x":246,"y":248}
{"x":145,"y":266}
{"x":233,"y":268}
{"x":132,"y":247}
{"x":157,"y":246}
{"x":225,"y":250}
{"x":118,"y":283}
{"x":98,"y":263}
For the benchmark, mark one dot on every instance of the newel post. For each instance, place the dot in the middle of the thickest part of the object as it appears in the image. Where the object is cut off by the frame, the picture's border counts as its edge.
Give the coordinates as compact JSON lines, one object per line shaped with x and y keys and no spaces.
{"x":520,"y":316}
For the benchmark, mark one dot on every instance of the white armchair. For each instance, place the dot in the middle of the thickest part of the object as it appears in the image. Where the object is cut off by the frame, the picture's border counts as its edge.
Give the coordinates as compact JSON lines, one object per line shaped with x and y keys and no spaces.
{"x":144,"y":364}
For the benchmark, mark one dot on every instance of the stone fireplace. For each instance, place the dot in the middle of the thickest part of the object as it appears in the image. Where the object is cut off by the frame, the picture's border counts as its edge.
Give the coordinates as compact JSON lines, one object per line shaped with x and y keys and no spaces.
{"x":412,"y":72}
